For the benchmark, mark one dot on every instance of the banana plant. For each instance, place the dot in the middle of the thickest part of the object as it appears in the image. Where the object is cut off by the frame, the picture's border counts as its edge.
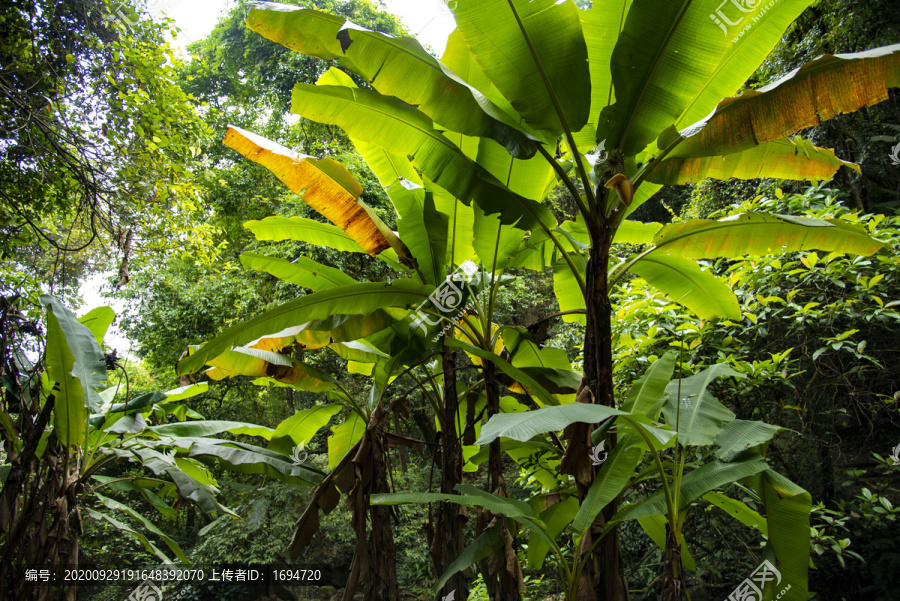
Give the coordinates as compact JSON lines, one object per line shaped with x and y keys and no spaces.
{"x":611,"y":102}
{"x":691,"y":417}
{"x":68,"y":427}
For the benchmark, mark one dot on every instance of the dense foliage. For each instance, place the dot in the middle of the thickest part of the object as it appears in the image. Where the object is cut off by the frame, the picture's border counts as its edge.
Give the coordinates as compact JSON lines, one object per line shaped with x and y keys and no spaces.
{"x":419,"y":465}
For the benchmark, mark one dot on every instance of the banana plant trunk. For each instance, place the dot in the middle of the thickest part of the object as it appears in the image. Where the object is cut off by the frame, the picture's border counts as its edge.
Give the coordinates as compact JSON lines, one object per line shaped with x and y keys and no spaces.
{"x":602,"y":569}
{"x":673,"y":579}
{"x":39,"y":509}
{"x":445,"y":538}
{"x":501,"y":571}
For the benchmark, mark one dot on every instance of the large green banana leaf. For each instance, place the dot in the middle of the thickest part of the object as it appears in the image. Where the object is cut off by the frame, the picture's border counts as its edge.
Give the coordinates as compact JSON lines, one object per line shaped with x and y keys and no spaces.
{"x":787,"y":516}
{"x":250,"y":459}
{"x":534,"y":52}
{"x":356,"y":299}
{"x":602,"y":25}
{"x":149,"y":546}
{"x":300,"y":428}
{"x":524,"y":426}
{"x":643,"y":396}
{"x":395,"y":67}
{"x":612,"y":478}
{"x":75,"y":363}
{"x":665,"y":53}
{"x":816,"y":92}
{"x":119,"y":506}
{"x":303,"y":271}
{"x":683,"y":281}
{"x":98,"y":321}
{"x":781,"y":159}
{"x":557,"y":517}
{"x":481,"y":548}
{"x":694,"y":485}
{"x":738,"y":510}
{"x":402,"y":130}
{"x":699,"y":416}
{"x":738,"y":436}
{"x":459,"y":58}
{"x":343,"y":438}
{"x":671,"y":66}
{"x":279,"y":228}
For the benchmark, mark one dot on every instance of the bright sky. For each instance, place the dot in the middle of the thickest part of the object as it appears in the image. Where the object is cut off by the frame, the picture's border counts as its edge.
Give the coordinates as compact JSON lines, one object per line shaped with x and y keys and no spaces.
{"x":431,"y":21}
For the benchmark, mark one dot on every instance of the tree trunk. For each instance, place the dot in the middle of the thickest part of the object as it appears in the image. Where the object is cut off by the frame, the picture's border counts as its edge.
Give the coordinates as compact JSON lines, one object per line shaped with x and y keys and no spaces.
{"x":602,"y":570}
{"x":445,"y":538}
{"x":501,"y":571}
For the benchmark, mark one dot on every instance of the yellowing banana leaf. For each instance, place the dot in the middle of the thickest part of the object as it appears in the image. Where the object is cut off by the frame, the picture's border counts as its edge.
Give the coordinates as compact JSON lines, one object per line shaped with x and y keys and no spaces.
{"x":758,"y":234}
{"x":395,"y":67}
{"x":302,"y":335}
{"x":404,"y":131}
{"x":685,"y":283}
{"x":782,"y":159}
{"x":324,"y":184}
{"x":534,"y":52}
{"x":819,"y":90}
{"x":302,"y":272}
{"x":742,"y":56}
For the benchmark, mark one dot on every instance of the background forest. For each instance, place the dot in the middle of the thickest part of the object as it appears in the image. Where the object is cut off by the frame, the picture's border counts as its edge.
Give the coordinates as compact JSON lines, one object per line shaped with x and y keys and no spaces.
{"x":113,"y":169}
